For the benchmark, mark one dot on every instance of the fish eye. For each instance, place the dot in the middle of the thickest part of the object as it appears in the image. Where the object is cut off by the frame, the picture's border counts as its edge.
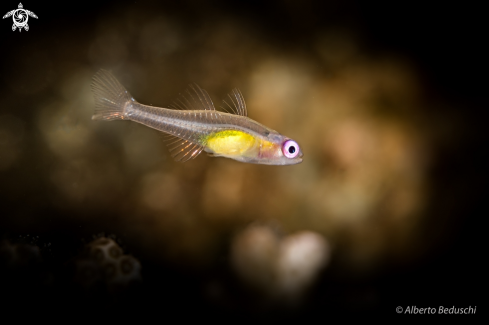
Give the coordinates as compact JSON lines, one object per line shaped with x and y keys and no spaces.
{"x":290,"y":149}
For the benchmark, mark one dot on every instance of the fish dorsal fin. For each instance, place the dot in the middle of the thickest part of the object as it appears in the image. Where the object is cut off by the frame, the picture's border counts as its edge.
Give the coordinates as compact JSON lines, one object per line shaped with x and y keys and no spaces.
{"x":194,"y":98}
{"x":238,"y":105}
{"x":183,"y":150}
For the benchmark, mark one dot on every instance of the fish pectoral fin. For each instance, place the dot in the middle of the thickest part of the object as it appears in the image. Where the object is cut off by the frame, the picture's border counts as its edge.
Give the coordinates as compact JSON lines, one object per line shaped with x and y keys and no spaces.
{"x":183,"y":150}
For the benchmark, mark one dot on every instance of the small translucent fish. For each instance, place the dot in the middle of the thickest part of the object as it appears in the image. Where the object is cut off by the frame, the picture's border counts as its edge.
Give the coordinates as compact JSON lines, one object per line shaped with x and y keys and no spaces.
{"x":195,"y":126}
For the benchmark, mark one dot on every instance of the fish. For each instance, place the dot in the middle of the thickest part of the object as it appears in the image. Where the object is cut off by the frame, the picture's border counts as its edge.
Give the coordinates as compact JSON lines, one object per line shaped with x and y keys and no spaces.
{"x":194,"y":125}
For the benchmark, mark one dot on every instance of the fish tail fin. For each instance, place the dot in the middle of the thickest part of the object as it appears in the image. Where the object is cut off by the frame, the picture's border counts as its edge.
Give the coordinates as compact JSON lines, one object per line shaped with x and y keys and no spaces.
{"x":111,"y":98}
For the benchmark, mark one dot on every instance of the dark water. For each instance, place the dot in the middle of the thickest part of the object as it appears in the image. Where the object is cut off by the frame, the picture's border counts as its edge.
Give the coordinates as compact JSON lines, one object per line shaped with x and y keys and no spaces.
{"x":386,"y":100}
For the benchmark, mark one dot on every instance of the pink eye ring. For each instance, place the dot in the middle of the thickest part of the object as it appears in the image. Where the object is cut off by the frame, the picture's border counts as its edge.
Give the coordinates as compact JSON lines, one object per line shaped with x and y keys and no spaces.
{"x":290,"y":149}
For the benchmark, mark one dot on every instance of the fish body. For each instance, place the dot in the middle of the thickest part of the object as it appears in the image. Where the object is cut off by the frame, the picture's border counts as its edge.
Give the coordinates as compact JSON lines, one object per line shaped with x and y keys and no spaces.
{"x":196,"y":126}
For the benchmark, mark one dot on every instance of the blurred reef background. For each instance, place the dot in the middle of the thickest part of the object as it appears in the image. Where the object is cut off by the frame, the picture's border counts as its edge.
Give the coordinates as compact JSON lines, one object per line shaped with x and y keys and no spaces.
{"x":388,"y":103}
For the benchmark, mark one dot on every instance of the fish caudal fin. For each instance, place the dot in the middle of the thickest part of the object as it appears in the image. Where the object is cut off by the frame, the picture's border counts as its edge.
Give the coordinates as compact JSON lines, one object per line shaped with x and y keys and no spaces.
{"x":111,"y":97}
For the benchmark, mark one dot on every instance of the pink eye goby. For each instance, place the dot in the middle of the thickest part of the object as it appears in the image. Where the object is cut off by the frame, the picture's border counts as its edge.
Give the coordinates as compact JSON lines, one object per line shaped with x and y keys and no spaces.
{"x":195,"y":126}
{"x":290,"y":148}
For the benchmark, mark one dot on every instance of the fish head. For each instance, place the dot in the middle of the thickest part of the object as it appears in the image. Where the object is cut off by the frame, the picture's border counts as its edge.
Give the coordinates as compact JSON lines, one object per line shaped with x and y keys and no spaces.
{"x":278,"y":149}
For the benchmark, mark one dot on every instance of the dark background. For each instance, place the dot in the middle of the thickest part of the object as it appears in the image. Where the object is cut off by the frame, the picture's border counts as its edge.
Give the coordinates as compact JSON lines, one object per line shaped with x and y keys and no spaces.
{"x":443,"y":43}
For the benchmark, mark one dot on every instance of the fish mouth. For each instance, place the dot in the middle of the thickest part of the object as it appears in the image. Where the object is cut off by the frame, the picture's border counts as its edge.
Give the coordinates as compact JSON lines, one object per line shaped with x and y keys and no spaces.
{"x":299,"y":158}
{"x":297,"y":161}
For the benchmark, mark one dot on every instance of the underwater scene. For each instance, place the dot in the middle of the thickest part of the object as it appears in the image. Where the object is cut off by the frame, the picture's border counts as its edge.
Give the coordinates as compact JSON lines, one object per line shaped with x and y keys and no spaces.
{"x":277,"y":161}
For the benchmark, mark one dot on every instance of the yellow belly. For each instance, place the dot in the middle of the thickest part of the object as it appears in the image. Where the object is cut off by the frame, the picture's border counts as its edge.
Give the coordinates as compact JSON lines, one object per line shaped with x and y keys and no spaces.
{"x":230,"y":142}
